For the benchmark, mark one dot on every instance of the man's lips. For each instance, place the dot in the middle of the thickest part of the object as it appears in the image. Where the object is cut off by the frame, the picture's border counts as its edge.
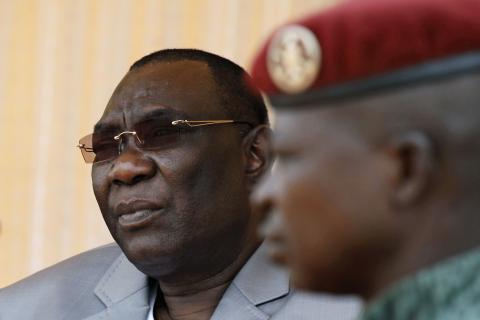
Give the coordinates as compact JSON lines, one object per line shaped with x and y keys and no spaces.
{"x":136,"y":212}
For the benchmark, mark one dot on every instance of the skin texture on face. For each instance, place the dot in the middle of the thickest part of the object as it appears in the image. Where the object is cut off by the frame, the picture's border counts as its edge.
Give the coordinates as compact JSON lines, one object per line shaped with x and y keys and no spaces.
{"x":374,"y":189}
{"x":325,"y":174}
{"x":197,"y":189}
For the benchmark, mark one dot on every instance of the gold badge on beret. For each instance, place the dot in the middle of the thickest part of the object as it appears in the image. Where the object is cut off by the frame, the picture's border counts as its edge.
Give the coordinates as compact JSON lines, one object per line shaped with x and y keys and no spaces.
{"x":293,"y":59}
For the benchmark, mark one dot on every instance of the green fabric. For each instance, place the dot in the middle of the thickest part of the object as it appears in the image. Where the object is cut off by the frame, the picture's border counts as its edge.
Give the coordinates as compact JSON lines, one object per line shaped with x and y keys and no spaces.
{"x":447,"y":291}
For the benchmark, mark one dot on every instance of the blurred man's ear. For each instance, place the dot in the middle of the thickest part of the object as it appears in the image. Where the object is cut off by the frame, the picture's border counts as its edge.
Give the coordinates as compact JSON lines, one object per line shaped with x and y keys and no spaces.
{"x":414,"y":155}
{"x":258,"y":155}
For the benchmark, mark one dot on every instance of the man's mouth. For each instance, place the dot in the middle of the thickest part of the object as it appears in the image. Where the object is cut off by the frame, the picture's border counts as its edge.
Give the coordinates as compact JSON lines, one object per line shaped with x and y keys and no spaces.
{"x":134,"y":218}
{"x":136,"y":213}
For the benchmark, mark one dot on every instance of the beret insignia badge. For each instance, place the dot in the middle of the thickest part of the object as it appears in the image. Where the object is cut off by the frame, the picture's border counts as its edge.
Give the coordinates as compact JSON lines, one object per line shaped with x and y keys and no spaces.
{"x":293,"y":59}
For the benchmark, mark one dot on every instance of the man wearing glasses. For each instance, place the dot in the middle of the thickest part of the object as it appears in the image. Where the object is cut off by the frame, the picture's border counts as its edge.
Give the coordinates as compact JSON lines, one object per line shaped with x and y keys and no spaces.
{"x":174,"y":157}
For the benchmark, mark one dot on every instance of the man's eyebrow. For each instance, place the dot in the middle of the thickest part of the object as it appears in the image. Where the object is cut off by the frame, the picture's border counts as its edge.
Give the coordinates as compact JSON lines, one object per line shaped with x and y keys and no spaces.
{"x":165,"y":113}
{"x":104,"y":127}
{"x":161,"y":113}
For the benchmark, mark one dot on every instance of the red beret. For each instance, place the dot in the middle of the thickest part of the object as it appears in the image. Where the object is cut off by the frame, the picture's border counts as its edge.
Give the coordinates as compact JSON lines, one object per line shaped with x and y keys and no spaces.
{"x":362,"y":45}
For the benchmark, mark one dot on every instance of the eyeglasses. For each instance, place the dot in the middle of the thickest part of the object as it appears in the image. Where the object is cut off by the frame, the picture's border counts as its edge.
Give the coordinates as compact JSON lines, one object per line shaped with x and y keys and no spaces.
{"x":148,"y":135}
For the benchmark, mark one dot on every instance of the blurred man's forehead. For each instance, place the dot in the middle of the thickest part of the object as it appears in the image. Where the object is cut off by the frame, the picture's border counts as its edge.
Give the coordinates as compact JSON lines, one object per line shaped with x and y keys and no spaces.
{"x":301,"y":127}
{"x":307,"y":120}
{"x":292,"y":124}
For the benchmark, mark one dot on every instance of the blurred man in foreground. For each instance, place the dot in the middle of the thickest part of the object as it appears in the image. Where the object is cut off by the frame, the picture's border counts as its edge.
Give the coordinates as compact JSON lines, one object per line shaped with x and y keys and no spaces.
{"x":175,"y":155}
{"x":377,"y":137}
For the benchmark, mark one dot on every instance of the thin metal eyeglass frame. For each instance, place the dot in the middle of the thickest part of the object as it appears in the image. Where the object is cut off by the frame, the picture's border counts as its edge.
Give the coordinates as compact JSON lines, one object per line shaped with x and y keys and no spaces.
{"x":188,"y":123}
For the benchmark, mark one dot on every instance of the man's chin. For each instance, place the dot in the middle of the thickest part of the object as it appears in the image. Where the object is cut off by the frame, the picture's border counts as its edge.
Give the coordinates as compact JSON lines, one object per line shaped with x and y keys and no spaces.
{"x":142,"y":251}
{"x":153,"y":263}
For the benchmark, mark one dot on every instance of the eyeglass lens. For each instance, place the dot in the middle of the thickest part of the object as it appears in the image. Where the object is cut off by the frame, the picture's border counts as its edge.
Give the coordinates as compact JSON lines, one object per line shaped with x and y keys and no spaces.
{"x":153,"y":134}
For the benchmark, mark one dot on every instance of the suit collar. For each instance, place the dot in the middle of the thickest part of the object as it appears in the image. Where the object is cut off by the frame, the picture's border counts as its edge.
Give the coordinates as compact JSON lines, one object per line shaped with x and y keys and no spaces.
{"x":258,"y":282}
{"x":121,"y":280}
{"x":126,"y":284}
{"x":261,"y":281}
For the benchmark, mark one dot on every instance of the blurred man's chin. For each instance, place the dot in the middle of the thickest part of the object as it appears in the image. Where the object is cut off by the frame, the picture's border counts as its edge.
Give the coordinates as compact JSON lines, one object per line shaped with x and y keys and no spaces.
{"x":277,"y":254}
{"x":305,"y":283}
{"x":307,"y":280}
{"x":279,"y":259}
{"x":300,"y":279}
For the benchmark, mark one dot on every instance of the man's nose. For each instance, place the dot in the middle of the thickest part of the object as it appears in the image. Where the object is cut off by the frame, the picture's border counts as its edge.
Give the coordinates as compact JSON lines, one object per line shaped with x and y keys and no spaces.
{"x":132,"y":167}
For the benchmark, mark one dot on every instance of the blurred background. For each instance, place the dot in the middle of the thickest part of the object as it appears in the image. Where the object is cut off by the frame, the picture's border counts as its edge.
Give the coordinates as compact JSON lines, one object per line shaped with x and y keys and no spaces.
{"x":59,"y":63}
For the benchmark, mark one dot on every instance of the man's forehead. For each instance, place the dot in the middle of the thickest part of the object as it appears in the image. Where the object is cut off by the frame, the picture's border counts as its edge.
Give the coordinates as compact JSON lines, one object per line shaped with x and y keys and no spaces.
{"x":148,"y":91}
{"x":160,"y":77}
{"x":184,"y":85}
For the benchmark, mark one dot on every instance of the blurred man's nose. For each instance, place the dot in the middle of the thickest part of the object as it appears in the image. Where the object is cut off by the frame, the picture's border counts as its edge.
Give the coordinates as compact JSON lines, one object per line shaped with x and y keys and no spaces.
{"x":261,"y":198}
{"x":272,"y":228}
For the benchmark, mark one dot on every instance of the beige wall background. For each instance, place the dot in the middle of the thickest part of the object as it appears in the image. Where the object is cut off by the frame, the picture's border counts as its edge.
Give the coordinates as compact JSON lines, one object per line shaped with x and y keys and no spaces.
{"x":59,"y":62}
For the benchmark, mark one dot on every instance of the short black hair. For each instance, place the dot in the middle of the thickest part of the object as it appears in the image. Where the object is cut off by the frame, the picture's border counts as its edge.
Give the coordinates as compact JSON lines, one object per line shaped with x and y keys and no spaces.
{"x":240,"y":99}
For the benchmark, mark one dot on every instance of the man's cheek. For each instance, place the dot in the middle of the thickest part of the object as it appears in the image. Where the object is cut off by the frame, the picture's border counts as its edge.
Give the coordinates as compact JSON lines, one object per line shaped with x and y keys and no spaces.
{"x":99,"y":184}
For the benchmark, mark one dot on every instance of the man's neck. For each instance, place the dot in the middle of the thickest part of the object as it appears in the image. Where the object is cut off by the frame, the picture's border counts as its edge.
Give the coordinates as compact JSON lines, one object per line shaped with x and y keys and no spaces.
{"x":425,"y":248}
{"x":198,"y":300}
{"x":198,"y":306}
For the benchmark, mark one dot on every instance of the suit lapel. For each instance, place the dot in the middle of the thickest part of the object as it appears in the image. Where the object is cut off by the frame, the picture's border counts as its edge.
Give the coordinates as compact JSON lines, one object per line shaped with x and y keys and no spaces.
{"x":257,"y":283}
{"x":236,"y":306}
{"x":124,"y":291}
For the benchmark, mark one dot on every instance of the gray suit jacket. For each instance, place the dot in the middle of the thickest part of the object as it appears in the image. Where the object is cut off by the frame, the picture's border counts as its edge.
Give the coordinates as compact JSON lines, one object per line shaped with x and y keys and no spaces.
{"x":103,"y":284}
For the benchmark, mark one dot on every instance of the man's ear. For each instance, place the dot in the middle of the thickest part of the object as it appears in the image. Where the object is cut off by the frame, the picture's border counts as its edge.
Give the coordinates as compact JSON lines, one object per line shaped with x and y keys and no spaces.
{"x":414,"y":155}
{"x":258,"y":154}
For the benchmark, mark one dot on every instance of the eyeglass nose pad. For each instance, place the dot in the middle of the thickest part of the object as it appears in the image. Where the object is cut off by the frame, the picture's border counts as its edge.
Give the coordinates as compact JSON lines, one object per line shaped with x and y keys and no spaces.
{"x":140,"y":142}
{"x":119,"y":138}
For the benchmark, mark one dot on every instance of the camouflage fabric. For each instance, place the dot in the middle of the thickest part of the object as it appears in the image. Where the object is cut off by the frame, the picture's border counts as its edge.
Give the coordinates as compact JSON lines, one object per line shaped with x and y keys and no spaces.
{"x":448,"y":291}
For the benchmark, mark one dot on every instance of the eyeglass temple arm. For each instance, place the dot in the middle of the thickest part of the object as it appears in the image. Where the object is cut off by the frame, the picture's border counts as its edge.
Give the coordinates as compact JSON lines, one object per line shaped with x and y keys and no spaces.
{"x":190,"y":123}
{"x":83,"y":146}
{"x":199,"y":123}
